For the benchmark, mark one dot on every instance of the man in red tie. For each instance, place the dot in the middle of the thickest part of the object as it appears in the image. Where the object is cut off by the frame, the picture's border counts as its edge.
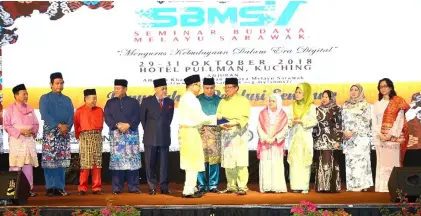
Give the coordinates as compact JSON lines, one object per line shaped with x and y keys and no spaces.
{"x":156,"y":114}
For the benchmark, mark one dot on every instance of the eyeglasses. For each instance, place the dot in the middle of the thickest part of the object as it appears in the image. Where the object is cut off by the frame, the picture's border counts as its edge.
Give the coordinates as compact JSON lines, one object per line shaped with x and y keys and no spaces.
{"x":384,"y":86}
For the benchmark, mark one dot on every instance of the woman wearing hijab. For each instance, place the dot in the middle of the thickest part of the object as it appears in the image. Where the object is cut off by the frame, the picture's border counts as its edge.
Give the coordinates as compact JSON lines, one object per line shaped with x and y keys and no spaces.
{"x":272,"y":129}
{"x":390,"y":132}
{"x":301,"y":120}
{"x":356,"y":119}
{"x":327,"y":138}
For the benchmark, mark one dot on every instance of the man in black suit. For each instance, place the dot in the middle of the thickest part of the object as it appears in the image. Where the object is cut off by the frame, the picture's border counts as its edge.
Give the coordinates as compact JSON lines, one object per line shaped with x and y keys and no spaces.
{"x":156,"y":114}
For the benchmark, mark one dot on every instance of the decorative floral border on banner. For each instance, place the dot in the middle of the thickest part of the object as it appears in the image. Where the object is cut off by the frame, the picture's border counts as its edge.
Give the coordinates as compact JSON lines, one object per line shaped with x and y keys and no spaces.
{"x":10,"y":11}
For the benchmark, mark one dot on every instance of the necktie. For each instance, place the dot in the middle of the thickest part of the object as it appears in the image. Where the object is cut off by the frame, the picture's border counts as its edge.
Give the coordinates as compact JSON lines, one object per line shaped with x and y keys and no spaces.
{"x":160,"y":103}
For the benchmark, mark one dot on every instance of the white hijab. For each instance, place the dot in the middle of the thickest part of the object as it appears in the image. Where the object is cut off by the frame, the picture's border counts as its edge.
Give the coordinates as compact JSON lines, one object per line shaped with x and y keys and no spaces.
{"x":273,"y":115}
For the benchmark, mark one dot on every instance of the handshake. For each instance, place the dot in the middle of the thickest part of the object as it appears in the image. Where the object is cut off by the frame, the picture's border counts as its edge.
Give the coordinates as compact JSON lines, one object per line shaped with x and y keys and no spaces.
{"x":225,"y":123}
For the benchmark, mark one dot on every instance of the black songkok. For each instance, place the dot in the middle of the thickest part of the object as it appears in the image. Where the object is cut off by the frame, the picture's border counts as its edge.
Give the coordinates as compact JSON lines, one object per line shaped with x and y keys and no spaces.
{"x":231,"y":81}
{"x":208,"y":81}
{"x":192,"y":79}
{"x":159,"y":82}
{"x":54,"y":76}
{"x":17,"y":88}
{"x":120,"y":82}
{"x":88,"y":92}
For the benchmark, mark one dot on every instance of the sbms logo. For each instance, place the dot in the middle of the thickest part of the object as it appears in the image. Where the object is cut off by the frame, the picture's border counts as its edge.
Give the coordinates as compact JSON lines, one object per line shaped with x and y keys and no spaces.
{"x":247,"y":16}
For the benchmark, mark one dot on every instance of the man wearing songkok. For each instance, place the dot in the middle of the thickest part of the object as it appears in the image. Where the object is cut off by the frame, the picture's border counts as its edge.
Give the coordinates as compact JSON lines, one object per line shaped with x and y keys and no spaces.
{"x":122,"y":115}
{"x":57,"y":112}
{"x":21,"y":123}
{"x":89,"y":120}
{"x":156,"y":114}
{"x":192,"y":118}
{"x":234,"y":110}
{"x":211,"y":139}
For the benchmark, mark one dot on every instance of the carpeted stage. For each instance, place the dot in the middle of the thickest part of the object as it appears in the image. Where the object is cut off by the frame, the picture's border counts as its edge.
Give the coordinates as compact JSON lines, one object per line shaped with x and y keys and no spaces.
{"x":254,"y":203}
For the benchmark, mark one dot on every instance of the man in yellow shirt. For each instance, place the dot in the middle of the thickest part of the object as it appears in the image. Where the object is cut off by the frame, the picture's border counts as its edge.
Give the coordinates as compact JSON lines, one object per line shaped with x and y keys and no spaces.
{"x":234,"y":110}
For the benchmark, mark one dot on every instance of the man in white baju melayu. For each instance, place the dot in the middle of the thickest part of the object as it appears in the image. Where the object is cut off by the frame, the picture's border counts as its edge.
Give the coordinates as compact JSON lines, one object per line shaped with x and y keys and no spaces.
{"x":191,"y":119}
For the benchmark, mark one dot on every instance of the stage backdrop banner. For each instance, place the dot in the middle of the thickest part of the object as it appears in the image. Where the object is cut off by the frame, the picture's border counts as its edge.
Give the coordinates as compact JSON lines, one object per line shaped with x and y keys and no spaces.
{"x":271,"y":46}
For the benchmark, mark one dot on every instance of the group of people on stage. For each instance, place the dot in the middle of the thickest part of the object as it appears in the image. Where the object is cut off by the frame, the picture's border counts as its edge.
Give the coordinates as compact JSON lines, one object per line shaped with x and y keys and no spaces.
{"x":213,"y":132}
{"x":123,"y":115}
{"x":357,"y":127}
{"x":353,"y":127}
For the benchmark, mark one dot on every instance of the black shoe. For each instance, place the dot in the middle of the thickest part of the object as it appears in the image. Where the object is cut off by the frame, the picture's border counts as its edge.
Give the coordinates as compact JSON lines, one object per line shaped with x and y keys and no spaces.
{"x":241,"y":192}
{"x":32,"y":194}
{"x":165,"y":191}
{"x":214,"y":190}
{"x":50,"y":192}
{"x":195,"y":195}
{"x":98,"y":192}
{"x":135,"y":192}
{"x":152,"y":191}
{"x":203,"y":191}
{"x":61,"y":192}
{"x":81,"y":193}
{"x":116,"y":192}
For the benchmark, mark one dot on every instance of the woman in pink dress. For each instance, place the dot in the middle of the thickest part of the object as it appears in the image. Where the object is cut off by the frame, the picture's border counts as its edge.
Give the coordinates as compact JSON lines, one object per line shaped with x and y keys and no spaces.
{"x":21,"y":123}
